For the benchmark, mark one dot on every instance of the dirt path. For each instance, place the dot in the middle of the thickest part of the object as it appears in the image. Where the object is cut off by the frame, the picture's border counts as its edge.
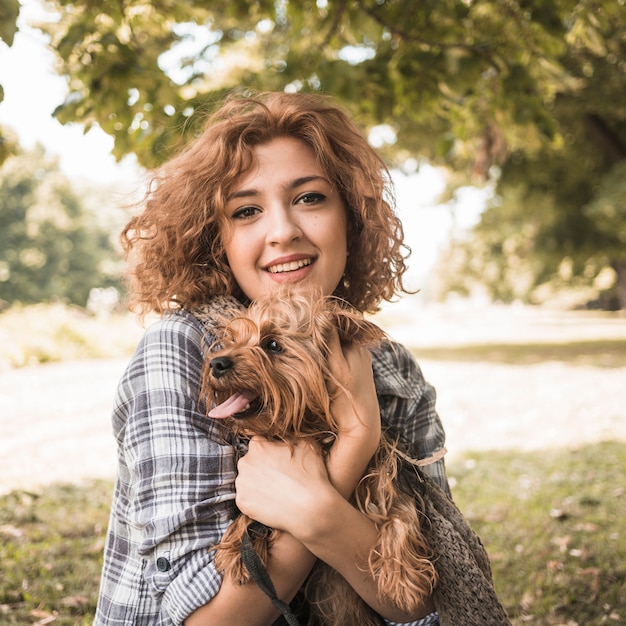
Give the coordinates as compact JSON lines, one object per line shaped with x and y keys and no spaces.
{"x":55,"y":422}
{"x":55,"y":419}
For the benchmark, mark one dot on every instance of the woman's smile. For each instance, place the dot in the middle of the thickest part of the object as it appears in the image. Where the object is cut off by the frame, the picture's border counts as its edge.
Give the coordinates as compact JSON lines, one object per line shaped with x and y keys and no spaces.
{"x":289,"y":266}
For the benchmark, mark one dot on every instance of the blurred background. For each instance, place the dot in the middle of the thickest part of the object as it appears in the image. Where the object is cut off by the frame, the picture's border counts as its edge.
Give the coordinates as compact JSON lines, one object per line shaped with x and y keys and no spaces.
{"x":504,"y":126}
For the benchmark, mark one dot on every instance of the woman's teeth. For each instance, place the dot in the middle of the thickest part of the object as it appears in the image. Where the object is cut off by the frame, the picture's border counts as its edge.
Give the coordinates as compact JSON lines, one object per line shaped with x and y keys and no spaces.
{"x":289,"y":267}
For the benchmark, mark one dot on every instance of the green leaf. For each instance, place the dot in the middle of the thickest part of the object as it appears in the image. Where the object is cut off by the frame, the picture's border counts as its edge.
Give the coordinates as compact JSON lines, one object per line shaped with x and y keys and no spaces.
{"x":9,"y":12}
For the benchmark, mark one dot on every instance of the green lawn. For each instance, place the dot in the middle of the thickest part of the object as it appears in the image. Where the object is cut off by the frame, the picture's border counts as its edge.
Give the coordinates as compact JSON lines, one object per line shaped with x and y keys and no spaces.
{"x":554,"y":523}
{"x":595,"y":353}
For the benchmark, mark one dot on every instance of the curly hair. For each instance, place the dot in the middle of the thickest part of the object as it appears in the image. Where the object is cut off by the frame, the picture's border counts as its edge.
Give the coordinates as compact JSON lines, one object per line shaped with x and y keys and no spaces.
{"x":175,"y":244}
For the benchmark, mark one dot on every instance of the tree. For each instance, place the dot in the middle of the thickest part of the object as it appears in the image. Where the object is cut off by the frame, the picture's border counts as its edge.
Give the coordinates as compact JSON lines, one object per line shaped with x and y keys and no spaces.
{"x":559,"y":219}
{"x":467,"y":84}
{"x":49,"y":248}
{"x":455,"y":78}
{"x":9,"y":11}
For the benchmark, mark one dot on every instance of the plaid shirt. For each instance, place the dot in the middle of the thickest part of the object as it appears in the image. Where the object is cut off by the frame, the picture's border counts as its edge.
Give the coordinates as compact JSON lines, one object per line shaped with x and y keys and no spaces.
{"x":174,"y":493}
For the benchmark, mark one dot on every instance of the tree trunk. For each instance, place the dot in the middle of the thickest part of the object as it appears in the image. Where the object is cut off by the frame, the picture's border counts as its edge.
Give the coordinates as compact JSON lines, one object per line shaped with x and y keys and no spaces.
{"x":605,"y":138}
{"x":620,"y":283}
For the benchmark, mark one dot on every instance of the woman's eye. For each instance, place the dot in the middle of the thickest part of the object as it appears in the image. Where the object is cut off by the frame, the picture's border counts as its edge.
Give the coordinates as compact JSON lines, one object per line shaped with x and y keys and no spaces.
{"x":244,"y":212}
{"x":311,"y":198}
{"x":271,"y":345}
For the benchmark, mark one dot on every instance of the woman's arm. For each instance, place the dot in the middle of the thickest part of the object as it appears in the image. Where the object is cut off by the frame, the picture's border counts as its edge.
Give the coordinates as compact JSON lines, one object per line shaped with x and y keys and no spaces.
{"x":408,"y":405}
{"x":355,"y":409}
{"x":175,"y":489}
{"x":289,"y":565}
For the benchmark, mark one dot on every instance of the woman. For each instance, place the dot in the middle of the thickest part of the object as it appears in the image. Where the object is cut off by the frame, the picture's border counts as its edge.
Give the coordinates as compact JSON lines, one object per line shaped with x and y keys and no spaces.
{"x":280,"y":188}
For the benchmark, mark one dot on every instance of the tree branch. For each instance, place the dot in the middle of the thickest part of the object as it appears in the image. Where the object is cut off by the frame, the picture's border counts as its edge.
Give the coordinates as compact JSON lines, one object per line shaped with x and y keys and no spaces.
{"x":481,"y":48}
{"x":339,"y":11}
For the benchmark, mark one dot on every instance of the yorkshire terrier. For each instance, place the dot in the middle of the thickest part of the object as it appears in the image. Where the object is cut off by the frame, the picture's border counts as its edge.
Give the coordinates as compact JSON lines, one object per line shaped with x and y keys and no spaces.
{"x":269,"y":375}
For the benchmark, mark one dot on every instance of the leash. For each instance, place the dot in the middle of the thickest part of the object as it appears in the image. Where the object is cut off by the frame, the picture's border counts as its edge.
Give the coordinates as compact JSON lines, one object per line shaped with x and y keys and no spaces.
{"x":259,"y":573}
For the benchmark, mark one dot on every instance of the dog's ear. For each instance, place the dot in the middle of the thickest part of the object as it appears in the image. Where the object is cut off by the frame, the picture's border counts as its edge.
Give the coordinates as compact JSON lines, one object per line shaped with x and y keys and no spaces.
{"x":353,"y":328}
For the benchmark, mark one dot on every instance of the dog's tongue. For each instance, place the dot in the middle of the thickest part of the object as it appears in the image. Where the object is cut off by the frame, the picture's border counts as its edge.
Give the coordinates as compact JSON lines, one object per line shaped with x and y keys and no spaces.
{"x":236,"y":403}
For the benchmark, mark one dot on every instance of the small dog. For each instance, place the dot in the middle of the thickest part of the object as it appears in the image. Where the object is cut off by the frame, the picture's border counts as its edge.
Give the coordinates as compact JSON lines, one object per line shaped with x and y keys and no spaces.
{"x":269,"y":375}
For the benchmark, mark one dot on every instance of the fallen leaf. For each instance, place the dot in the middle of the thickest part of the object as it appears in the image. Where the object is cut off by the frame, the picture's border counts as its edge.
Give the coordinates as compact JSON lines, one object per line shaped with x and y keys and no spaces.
{"x":74,"y":601}
{"x":8,"y":530}
{"x":594,"y":572}
{"x":559,"y":514}
{"x":43,"y":617}
{"x":554,"y":566}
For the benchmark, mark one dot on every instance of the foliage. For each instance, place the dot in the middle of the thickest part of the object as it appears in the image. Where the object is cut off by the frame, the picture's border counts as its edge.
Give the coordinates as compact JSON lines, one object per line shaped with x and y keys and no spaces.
{"x":529,"y":93}
{"x":9,"y":11}
{"x":455,"y":79}
{"x":558,"y":222}
{"x":552,"y":523}
{"x":50,"y":247}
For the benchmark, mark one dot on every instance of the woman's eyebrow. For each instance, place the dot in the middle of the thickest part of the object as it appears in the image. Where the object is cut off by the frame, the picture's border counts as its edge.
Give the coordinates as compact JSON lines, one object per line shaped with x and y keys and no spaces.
{"x":293,"y":184}
{"x":242,"y":193}
{"x":298,"y":182}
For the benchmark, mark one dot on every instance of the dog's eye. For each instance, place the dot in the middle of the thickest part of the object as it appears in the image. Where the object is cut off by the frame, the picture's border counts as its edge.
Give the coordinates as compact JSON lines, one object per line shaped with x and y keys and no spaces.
{"x":271,"y":345}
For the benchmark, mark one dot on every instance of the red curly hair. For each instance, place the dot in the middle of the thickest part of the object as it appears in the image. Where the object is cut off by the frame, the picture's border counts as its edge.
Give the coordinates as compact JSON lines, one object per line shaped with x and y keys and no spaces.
{"x":175,"y":244}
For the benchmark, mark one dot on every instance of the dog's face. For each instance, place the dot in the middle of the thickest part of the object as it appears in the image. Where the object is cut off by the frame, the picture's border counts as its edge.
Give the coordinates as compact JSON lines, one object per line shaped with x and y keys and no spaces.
{"x":271,"y":372}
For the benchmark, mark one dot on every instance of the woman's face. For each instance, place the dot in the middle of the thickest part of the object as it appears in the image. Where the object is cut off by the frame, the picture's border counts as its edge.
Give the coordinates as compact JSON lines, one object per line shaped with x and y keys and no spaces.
{"x":285,"y":222}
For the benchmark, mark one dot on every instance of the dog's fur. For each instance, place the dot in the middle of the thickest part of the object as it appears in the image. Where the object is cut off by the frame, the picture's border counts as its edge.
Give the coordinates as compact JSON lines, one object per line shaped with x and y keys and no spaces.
{"x":277,"y":354}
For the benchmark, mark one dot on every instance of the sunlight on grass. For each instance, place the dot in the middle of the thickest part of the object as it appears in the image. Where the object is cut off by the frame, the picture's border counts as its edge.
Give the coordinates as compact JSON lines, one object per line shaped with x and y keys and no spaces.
{"x":598,"y":353}
{"x":51,"y":553}
{"x":553,"y":522}
{"x":44,"y":333}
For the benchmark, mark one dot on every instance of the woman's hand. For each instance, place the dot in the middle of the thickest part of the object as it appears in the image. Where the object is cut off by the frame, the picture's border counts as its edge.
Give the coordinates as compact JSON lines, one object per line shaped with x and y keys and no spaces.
{"x":355,"y":409}
{"x":280,"y":485}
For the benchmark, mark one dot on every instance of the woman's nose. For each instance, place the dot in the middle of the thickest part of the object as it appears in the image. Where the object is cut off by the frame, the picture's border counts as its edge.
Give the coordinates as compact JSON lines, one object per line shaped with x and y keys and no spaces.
{"x":283,"y":227}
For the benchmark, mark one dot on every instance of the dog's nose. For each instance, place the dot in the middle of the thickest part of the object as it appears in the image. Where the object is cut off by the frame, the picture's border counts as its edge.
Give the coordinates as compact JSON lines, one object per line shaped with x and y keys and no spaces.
{"x":220,"y":365}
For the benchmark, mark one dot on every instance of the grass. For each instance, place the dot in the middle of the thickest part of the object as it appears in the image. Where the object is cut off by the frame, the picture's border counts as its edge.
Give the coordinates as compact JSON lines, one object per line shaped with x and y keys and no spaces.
{"x":51,"y":547}
{"x":594,"y":353}
{"x":43,"y":333}
{"x":553,"y":522}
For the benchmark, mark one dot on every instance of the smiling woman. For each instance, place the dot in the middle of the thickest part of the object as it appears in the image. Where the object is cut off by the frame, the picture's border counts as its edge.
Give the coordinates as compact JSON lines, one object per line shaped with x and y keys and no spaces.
{"x":280,"y":189}
{"x":322,"y":158}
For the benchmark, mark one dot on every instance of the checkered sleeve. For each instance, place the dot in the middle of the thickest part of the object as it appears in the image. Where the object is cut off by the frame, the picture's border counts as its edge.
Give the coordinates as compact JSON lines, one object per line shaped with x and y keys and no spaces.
{"x":407,"y":404}
{"x":175,"y":492}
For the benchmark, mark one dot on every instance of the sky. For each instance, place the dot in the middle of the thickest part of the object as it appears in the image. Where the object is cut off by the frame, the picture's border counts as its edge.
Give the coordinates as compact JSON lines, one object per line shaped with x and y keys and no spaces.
{"x":32,"y":90}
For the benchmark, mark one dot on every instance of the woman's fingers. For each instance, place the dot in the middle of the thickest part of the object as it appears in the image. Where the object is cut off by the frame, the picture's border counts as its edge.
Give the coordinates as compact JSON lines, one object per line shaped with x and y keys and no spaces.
{"x":277,"y":483}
